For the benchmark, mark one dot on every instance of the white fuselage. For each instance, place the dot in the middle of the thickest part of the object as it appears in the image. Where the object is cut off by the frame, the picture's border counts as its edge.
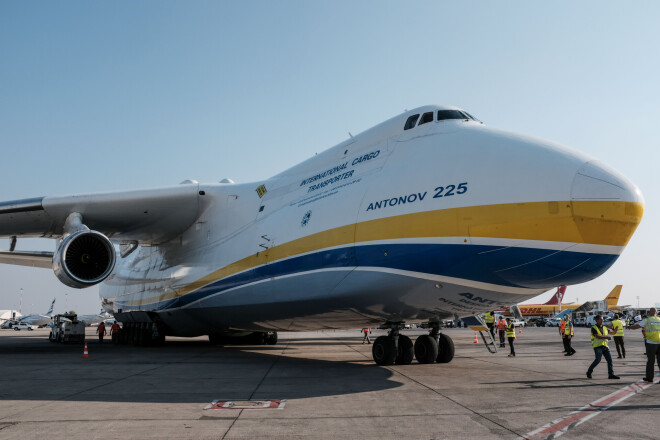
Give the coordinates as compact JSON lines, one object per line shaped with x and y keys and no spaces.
{"x":446,"y":219}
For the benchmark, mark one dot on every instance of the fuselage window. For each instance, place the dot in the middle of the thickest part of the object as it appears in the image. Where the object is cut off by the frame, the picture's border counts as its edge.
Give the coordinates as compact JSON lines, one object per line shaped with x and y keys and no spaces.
{"x":410,"y":123}
{"x":426,"y":117}
{"x":452,"y":114}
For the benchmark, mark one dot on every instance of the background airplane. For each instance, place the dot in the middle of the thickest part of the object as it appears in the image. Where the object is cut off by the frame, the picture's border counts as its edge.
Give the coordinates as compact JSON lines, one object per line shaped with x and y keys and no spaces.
{"x":39,"y":320}
{"x":554,"y":306}
{"x":95,"y":318}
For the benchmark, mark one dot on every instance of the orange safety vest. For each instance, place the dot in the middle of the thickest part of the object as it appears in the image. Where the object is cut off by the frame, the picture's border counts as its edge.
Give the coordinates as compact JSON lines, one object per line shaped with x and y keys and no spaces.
{"x":501,"y":325}
{"x":562,"y":325}
{"x":114,"y":329}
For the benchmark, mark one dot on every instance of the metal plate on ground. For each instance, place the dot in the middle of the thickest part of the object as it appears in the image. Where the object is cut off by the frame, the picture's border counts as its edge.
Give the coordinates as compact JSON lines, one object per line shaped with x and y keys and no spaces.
{"x":246,"y":404}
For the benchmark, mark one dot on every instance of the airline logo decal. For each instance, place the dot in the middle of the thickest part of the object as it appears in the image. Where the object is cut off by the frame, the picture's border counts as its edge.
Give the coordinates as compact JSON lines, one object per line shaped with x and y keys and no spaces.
{"x":305,"y":219}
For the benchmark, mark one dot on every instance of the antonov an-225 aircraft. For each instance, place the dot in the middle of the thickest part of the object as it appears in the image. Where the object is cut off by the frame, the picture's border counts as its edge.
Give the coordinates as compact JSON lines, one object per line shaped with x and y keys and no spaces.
{"x":427,"y":216}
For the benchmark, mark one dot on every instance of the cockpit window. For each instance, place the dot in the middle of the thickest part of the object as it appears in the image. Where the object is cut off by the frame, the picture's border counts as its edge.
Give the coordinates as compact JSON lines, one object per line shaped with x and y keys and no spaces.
{"x":410,"y":123}
{"x":452,"y":114}
{"x":426,"y":117}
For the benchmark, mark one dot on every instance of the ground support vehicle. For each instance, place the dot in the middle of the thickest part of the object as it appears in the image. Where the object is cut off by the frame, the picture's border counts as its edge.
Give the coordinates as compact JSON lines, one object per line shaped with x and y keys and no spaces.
{"x":66,"y":328}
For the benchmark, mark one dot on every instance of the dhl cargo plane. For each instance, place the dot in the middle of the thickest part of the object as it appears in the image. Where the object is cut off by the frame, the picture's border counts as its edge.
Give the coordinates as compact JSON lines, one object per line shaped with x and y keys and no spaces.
{"x":553,"y":305}
{"x":426,"y":216}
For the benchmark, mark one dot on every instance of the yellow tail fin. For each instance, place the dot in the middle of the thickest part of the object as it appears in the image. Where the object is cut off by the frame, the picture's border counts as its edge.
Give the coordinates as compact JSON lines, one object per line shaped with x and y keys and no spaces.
{"x":612,"y":298}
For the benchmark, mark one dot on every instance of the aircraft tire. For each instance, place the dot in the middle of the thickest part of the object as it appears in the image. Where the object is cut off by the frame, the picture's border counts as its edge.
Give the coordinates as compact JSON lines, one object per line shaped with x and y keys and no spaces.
{"x":406,"y":352}
{"x":271,"y":338}
{"x":426,"y":350}
{"x":445,"y":349}
{"x":383,"y":350}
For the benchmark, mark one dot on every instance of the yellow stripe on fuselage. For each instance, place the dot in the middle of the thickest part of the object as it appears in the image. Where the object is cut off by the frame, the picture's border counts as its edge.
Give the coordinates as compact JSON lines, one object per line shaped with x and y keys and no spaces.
{"x":586,"y":222}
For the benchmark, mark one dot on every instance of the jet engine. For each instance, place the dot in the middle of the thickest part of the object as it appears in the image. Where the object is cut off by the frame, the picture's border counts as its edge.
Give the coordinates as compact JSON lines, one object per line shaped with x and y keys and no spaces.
{"x":83,"y":259}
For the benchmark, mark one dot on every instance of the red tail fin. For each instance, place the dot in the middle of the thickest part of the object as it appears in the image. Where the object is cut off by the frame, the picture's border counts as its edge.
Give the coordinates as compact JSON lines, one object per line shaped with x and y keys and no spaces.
{"x":557,"y":297}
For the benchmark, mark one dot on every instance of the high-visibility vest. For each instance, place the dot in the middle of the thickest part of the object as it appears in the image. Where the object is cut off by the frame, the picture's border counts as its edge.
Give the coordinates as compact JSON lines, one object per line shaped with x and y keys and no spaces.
{"x":490,"y":318}
{"x":617,"y":324}
{"x":595,"y":342}
{"x":652,"y":328}
{"x":501,"y":325}
{"x":510,"y":331}
{"x":568,"y":329}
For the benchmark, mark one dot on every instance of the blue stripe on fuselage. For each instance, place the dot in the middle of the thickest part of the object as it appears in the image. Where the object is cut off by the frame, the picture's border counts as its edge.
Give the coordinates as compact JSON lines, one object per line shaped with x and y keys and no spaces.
{"x":512,"y":267}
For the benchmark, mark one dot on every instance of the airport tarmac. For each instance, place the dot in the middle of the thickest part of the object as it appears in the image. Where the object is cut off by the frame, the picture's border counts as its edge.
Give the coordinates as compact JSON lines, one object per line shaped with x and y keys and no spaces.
{"x":328,"y":385}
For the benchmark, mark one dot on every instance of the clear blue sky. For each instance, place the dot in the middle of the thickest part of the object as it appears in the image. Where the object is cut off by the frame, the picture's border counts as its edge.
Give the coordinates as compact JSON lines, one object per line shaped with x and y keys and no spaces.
{"x":99,"y":96}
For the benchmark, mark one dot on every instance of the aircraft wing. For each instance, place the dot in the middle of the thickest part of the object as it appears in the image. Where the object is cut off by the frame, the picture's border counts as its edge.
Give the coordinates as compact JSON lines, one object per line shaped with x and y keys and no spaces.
{"x":147,"y":216}
{"x":32,"y":259}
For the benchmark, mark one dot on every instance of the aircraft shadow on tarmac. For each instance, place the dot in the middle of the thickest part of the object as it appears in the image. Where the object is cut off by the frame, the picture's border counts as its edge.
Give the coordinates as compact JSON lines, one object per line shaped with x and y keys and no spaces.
{"x":181,"y":371}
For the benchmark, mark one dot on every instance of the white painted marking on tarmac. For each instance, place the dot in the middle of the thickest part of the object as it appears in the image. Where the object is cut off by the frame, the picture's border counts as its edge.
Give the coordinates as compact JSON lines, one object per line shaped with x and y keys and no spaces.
{"x":562,"y":425}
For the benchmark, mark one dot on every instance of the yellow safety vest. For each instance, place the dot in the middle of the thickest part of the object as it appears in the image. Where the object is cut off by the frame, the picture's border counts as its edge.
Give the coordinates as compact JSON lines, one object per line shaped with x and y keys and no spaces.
{"x":652,"y":328}
{"x":489,"y":318}
{"x":511,"y":331}
{"x":618,"y":324}
{"x":595,"y":342}
{"x":568,"y":329}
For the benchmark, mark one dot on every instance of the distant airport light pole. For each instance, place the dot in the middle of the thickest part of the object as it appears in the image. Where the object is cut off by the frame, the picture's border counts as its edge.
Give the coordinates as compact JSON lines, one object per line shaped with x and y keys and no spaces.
{"x":20,"y":304}
{"x":638,"y":302}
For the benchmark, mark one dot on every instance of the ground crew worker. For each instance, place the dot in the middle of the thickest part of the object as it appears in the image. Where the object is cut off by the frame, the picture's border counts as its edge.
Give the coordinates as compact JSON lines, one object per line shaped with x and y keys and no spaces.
{"x":562,"y":326}
{"x":490,"y":322}
{"x":599,"y":340}
{"x":511,"y":336}
{"x":114,"y":332}
{"x":651,"y":327}
{"x":617,"y":330}
{"x":101,"y":331}
{"x":568,"y":336}
{"x":366,"y":335}
{"x":501,"y":328}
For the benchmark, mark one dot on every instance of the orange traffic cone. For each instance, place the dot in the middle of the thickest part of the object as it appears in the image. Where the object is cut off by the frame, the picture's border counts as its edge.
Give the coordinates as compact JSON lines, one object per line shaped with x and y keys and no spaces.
{"x":520,"y":329}
{"x":85,"y":352}
{"x":476,"y":341}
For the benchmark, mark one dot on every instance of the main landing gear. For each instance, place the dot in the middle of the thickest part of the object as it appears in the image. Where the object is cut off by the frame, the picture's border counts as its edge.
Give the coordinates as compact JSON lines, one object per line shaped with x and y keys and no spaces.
{"x":396,"y":348}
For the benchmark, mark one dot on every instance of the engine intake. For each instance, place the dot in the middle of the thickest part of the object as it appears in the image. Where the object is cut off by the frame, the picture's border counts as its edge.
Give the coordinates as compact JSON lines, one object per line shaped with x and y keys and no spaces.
{"x":83,"y":259}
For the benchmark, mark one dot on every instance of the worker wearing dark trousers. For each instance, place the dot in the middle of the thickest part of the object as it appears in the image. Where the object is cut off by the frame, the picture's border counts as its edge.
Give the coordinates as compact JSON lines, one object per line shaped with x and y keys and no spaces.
{"x":568,"y":337}
{"x":101,"y":331}
{"x":617,"y":329}
{"x":114,"y":333}
{"x":490,"y":323}
{"x":511,"y":336}
{"x":651,"y":329}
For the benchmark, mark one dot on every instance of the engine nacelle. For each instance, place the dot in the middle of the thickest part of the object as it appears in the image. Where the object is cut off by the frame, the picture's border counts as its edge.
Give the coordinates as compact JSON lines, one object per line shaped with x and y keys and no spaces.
{"x":83,"y":259}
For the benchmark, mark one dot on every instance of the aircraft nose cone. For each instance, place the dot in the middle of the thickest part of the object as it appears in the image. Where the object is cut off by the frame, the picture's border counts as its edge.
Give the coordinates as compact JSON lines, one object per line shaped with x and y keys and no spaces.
{"x":596,"y":181}
{"x":607,"y":207}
